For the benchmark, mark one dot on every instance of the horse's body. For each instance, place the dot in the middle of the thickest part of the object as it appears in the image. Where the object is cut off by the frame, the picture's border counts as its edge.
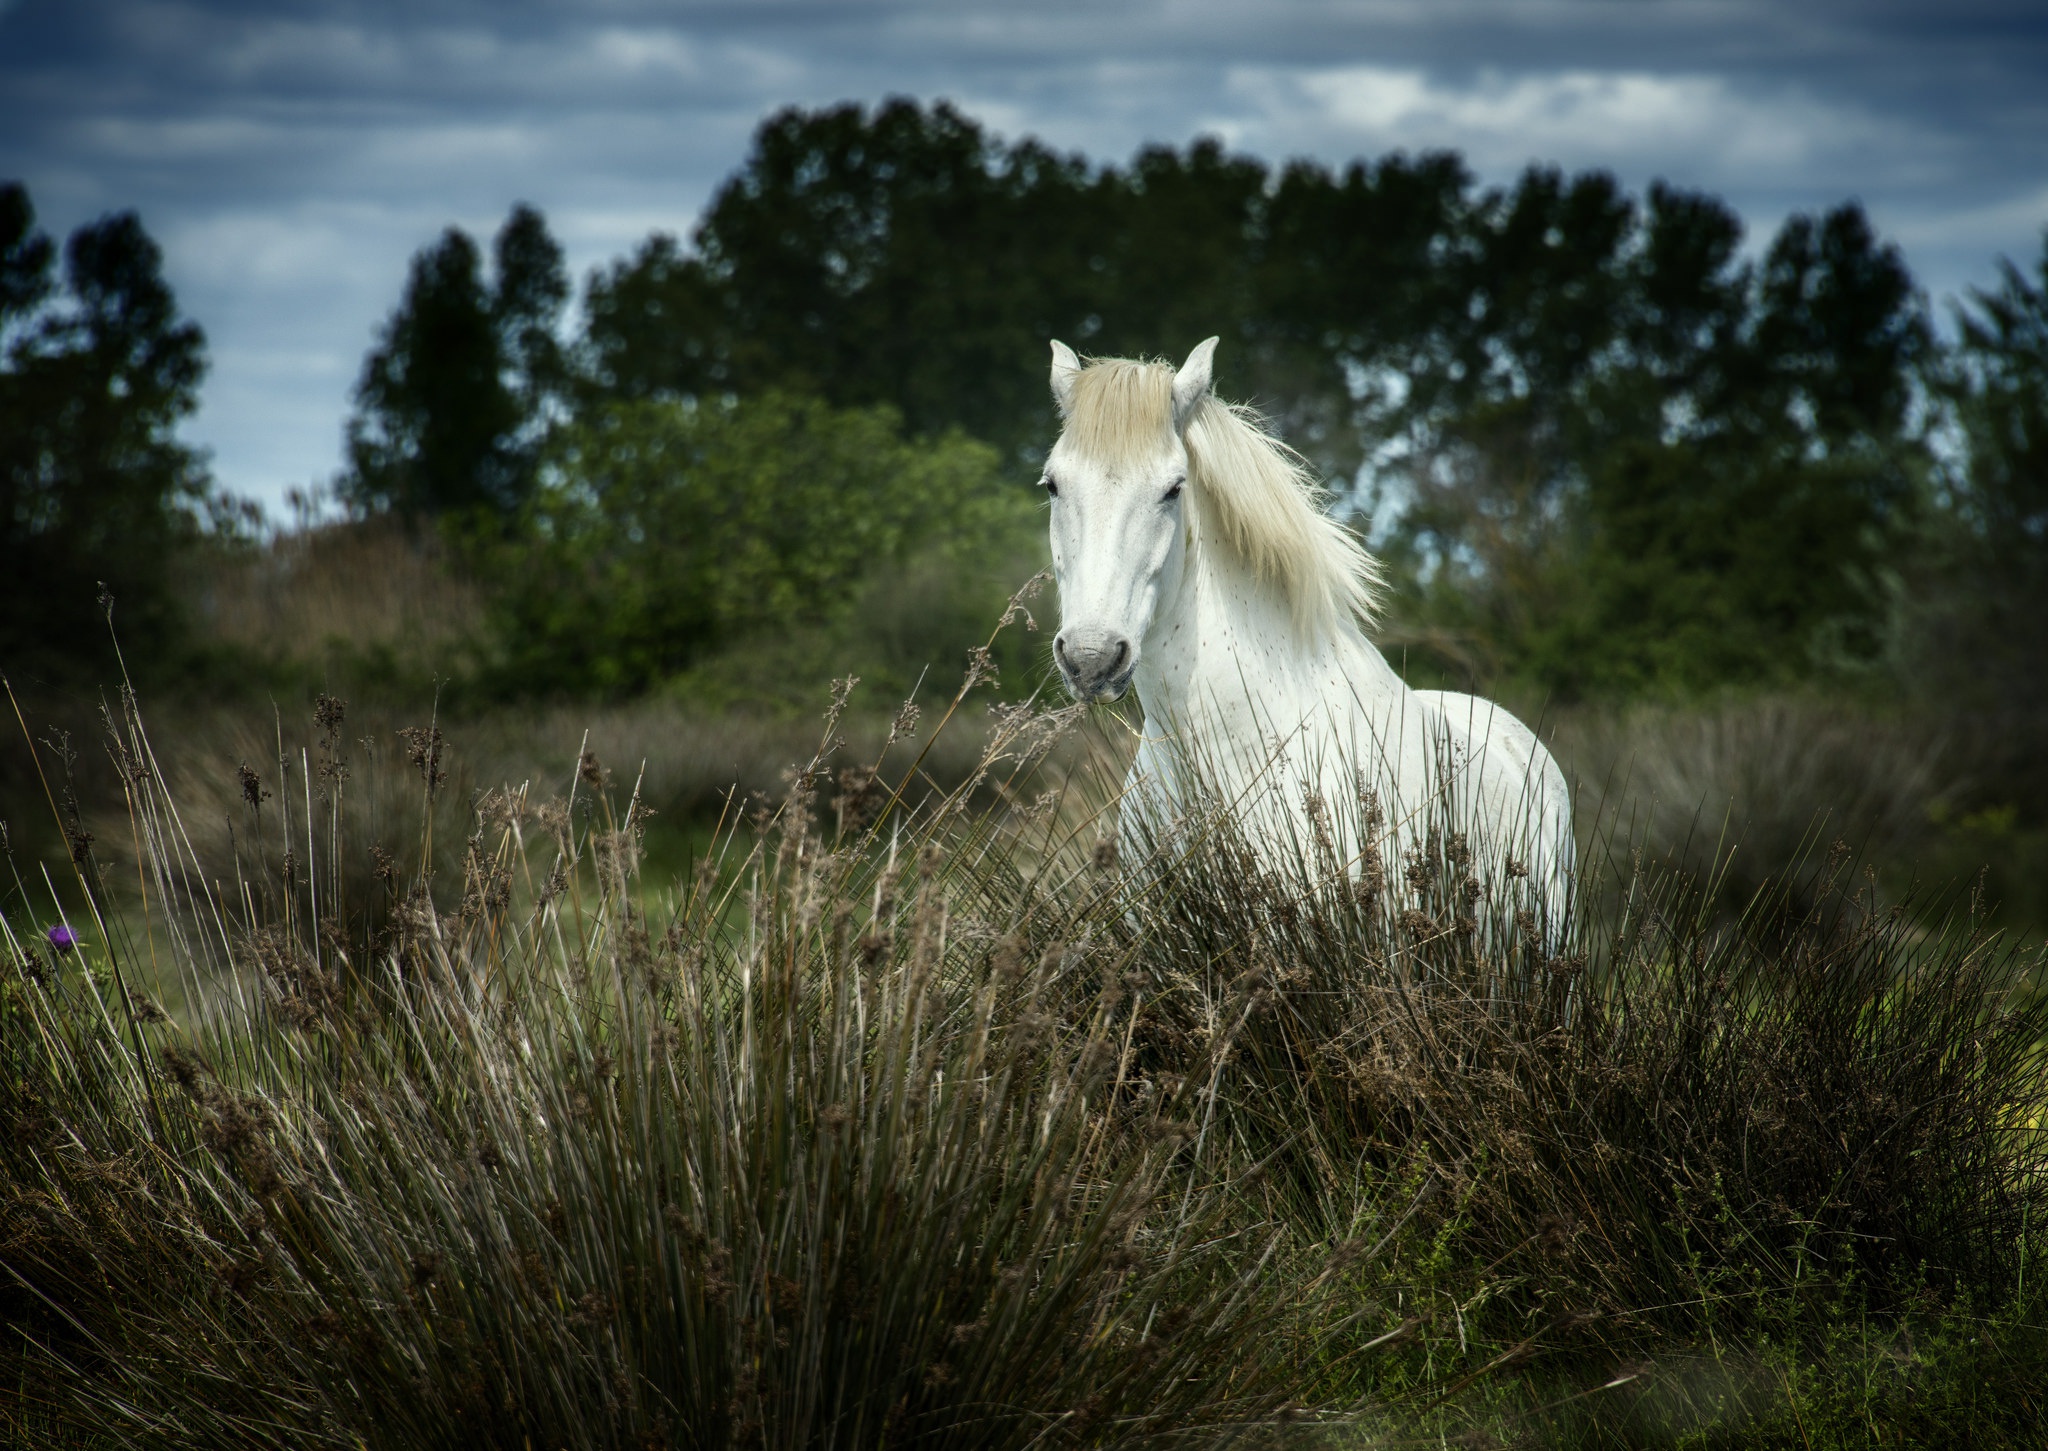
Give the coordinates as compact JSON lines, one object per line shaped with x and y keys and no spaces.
{"x":1196,"y":563}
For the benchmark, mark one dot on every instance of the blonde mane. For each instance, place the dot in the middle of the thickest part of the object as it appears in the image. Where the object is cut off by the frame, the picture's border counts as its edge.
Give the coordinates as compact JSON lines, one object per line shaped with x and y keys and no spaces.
{"x":1253,"y":498}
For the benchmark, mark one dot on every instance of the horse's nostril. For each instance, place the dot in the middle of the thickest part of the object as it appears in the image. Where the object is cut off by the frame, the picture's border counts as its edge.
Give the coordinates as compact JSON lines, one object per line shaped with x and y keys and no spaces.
{"x":1123,"y":650}
{"x":1059,"y":650}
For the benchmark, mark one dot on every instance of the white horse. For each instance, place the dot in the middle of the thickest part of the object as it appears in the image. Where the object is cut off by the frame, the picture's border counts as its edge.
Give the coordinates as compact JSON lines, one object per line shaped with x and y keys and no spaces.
{"x":1195,"y":561}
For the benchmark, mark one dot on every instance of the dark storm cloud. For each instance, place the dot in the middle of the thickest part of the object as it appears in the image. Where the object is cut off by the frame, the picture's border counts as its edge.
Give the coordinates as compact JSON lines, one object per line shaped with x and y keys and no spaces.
{"x":291,"y":157}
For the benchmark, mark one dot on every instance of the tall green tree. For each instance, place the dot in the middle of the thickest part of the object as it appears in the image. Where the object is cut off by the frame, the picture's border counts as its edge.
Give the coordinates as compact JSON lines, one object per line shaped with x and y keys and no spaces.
{"x":2003,"y":396}
{"x":1978,"y":610}
{"x":1651,"y":465}
{"x":898,"y":257}
{"x":1352,"y":284}
{"x":1748,"y":540}
{"x":903,"y":255}
{"x":455,"y":397}
{"x":95,"y":488}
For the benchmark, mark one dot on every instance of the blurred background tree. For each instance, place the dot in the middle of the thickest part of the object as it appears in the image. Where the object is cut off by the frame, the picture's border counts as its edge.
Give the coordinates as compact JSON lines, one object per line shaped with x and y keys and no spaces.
{"x":902,"y":257}
{"x":95,"y":488}
{"x":1634,"y":463}
{"x":1998,"y":493}
{"x":1973,"y":607}
{"x":456,"y":396}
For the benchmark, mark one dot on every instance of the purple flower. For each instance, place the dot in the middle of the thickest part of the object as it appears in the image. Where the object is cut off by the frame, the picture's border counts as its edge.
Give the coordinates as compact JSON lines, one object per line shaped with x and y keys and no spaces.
{"x":62,"y":938}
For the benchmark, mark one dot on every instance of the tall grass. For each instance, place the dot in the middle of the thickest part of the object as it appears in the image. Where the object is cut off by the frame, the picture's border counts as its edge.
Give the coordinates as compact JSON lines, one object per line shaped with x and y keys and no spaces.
{"x":913,"y":1115}
{"x":839,"y":1152}
{"x":1712,"y":1173}
{"x":1832,"y":1088}
{"x":237,"y":776}
{"x":1751,"y":793}
{"x":340,"y":604}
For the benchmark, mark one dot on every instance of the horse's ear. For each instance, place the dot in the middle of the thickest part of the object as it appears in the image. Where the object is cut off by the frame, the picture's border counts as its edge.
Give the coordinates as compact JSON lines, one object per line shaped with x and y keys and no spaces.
{"x":1191,"y":383}
{"x":1065,"y":369}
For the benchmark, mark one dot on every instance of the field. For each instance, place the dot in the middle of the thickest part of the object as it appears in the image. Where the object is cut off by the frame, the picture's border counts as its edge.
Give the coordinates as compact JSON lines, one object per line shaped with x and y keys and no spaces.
{"x":433,"y":1071}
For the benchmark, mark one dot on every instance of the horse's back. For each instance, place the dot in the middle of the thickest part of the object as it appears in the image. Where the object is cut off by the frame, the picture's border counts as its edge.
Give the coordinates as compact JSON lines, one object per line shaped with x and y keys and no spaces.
{"x":1481,"y":725}
{"x":1517,"y":778}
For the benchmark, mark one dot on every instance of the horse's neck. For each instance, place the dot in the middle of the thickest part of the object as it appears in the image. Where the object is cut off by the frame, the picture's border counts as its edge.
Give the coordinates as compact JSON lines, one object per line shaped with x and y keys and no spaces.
{"x":1224,"y":649}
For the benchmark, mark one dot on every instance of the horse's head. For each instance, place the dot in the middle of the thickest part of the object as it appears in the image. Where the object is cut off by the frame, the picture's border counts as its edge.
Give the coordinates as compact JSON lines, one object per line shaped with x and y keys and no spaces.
{"x":1115,"y":480}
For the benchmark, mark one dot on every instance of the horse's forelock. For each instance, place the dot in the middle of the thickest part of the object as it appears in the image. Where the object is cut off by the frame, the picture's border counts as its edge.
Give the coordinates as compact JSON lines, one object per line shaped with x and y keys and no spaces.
{"x":1122,"y":412}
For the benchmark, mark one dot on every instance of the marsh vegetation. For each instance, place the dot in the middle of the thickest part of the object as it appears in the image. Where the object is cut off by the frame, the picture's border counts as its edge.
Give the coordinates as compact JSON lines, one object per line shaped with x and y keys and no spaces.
{"x":454,"y":991}
{"x":409,"y":1110}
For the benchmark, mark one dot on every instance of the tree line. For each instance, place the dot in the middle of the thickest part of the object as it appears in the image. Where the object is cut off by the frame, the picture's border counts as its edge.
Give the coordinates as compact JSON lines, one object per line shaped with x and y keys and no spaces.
{"x":1605,"y":447}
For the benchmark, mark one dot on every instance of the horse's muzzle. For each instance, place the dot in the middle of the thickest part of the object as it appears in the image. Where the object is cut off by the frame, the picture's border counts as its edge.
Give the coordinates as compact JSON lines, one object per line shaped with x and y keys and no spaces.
{"x":1094,"y":664}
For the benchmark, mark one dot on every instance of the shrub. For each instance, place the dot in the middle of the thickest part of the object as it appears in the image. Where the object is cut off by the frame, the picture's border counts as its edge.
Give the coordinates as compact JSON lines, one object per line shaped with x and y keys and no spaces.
{"x":901,"y":631}
{"x":663,"y":531}
{"x":1756,"y":1098}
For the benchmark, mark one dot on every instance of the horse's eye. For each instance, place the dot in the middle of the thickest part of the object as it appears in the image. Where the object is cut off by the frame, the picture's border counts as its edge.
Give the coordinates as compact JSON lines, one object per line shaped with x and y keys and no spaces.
{"x":1051,"y":488}
{"x":1174,"y":492}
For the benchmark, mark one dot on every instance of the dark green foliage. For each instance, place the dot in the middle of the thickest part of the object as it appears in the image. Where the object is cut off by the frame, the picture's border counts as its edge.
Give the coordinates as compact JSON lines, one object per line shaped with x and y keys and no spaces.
{"x":453,"y":400}
{"x":1992,"y":647}
{"x":1606,"y":455}
{"x":903,"y":630}
{"x":2005,"y":355}
{"x":903,"y":258}
{"x":526,"y":305}
{"x":1581,"y":409}
{"x":1656,"y":467}
{"x":94,"y":487}
{"x":664,"y":531}
{"x":25,"y":254}
{"x":1970,"y":605}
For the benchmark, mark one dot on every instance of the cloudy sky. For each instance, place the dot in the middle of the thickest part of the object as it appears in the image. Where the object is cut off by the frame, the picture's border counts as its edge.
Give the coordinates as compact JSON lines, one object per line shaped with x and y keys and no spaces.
{"x":291,"y":155}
